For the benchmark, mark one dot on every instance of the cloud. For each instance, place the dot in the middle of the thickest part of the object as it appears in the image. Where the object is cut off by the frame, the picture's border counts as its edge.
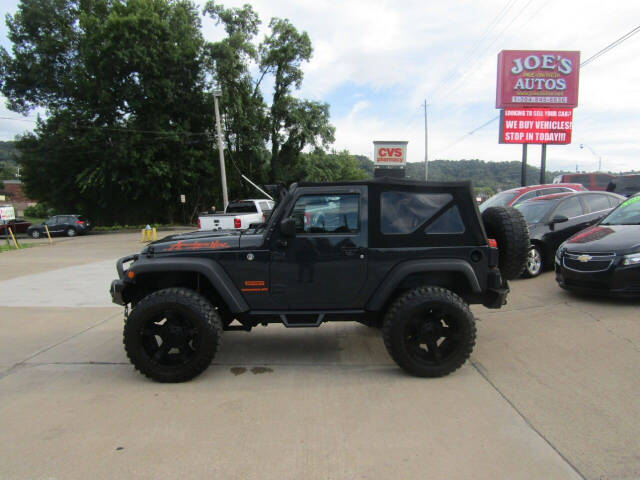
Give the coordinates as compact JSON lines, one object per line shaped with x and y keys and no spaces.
{"x":375,"y":61}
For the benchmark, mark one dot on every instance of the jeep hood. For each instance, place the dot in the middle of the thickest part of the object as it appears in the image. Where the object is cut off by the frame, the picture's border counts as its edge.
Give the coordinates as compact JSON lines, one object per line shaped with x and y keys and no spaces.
{"x":197,"y":241}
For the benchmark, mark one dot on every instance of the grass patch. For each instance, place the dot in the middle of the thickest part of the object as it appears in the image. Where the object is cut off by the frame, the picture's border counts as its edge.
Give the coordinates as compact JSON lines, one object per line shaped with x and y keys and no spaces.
{"x":136,"y":227}
{"x":5,"y":248}
{"x":34,"y":220}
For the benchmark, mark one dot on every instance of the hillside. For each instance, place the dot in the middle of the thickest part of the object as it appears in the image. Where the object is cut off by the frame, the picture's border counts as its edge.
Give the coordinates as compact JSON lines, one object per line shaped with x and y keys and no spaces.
{"x":487,"y":176}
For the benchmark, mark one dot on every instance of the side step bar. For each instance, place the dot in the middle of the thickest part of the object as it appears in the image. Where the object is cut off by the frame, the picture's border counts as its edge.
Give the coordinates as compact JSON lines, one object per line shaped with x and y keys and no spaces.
{"x":288,"y":324}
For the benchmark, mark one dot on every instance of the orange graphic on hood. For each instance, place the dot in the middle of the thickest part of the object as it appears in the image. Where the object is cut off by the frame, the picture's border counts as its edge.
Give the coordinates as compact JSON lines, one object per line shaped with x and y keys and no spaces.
{"x":196,"y":246}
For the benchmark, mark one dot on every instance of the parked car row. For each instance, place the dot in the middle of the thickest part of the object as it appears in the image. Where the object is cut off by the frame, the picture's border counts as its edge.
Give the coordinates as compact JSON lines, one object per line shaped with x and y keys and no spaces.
{"x":69,"y":225}
{"x":16,"y":226}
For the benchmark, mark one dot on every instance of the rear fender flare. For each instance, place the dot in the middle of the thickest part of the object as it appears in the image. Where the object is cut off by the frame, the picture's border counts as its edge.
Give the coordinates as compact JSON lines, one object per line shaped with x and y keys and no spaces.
{"x":378,"y":299}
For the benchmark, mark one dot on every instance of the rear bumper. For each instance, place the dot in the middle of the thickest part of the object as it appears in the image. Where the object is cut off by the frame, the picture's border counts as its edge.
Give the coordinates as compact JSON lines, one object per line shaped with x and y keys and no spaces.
{"x":497,"y":290}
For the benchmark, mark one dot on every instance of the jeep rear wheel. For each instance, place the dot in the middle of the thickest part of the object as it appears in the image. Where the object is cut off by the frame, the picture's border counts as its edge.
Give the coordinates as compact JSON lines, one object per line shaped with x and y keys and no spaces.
{"x":172,"y":335}
{"x":508,"y":227}
{"x":429,"y":331}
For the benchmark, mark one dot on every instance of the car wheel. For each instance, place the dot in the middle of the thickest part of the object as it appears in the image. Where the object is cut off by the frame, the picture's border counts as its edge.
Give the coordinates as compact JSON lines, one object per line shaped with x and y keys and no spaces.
{"x":429,"y":331}
{"x":172,"y":335}
{"x":535,"y":263}
{"x":508,"y":227}
{"x":34,"y":234}
{"x":71,"y":232}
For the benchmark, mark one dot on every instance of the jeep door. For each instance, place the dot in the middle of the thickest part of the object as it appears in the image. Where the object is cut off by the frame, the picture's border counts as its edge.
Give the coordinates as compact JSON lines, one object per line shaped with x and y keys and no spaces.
{"x":324,"y":266}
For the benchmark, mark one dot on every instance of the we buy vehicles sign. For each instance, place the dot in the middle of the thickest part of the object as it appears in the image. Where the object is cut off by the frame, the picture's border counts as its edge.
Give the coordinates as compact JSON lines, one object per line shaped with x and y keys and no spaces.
{"x":390,"y":153}
{"x":536,"y":125}
{"x":7,"y":213}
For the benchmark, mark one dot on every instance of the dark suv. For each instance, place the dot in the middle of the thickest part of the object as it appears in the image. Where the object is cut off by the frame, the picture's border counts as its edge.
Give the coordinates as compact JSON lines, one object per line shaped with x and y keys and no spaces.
{"x":405,"y":256}
{"x":69,"y":225}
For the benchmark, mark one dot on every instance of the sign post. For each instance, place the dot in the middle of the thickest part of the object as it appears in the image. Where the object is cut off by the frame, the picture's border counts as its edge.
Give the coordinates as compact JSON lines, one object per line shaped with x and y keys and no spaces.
{"x":537,"y":91}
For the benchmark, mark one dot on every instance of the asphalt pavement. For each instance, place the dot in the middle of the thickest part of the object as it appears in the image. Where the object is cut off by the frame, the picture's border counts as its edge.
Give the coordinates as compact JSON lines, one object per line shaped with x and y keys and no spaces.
{"x":550,"y":392}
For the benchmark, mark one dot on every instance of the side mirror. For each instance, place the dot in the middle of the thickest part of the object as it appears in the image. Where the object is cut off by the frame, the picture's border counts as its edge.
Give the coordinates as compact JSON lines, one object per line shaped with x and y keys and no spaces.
{"x":288,"y":227}
{"x":557,"y":219}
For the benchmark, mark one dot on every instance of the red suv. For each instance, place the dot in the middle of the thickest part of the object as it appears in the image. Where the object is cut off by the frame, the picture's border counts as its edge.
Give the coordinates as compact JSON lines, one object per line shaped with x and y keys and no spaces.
{"x":591,"y":181}
{"x":510,"y":198}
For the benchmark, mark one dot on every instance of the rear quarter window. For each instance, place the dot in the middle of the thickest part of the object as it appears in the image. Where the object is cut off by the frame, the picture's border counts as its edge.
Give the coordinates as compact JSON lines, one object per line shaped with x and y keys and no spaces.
{"x":402,"y":213}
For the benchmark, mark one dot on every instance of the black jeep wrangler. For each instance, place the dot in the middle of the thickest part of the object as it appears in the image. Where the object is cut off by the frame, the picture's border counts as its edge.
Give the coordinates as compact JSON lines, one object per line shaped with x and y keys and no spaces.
{"x":405,"y":256}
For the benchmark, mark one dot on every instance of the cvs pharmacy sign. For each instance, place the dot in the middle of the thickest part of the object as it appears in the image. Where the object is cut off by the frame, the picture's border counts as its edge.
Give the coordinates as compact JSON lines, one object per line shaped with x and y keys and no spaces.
{"x":390,"y":153}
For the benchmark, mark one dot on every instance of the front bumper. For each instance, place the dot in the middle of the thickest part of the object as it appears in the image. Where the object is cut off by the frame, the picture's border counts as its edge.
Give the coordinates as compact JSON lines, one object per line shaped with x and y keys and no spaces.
{"x":617,"y":280}
{"x":117,"y":289}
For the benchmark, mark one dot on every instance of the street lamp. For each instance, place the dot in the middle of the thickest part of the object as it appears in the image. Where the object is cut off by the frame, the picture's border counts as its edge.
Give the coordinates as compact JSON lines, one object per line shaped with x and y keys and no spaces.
{"x":582,"y":145}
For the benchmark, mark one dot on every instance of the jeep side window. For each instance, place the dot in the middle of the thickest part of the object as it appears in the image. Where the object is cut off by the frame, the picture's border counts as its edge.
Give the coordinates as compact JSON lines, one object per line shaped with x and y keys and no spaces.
{"x":403,"y":213}
{"x":449,"y":223}
{"x":327,"y":213}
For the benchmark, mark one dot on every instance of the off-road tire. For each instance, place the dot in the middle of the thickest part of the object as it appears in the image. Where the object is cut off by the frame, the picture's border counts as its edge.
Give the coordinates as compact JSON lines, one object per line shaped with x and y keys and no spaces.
{"x":535,"y":258}
{"x":71,"y":232}
{"x":404,"y":310}
{"x":34,"y":234}
{"x":201,"y":313}
{"x":509,"y":228}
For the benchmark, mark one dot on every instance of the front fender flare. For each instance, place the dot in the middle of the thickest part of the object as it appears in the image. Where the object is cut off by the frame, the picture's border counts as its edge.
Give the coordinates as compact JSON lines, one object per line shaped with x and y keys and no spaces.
{"x":401,"y":271}
{"x":208,"y":268}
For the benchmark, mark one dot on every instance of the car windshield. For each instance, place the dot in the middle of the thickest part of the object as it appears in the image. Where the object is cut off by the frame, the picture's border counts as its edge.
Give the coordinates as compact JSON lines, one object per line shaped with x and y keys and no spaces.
{"x":498,"y":200}
{"x":628,"y":213}
{"x":535,"y":211}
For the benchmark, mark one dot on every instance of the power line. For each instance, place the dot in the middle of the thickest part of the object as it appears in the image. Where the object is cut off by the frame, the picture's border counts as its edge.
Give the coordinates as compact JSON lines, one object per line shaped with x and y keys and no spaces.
{"x":611,"y":46}
{"x":587,"y":61}
{"x":494,"y":23}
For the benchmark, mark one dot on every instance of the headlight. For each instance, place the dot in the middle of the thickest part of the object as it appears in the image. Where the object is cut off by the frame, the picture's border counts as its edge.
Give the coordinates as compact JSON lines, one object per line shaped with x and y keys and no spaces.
{"x":559,"y":253}
{"x":633,"y":259}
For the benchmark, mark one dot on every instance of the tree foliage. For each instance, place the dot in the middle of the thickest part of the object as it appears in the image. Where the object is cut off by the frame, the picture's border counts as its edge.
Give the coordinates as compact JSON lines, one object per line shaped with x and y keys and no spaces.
{"x":127,"y":86}
{"x":124,"y":86}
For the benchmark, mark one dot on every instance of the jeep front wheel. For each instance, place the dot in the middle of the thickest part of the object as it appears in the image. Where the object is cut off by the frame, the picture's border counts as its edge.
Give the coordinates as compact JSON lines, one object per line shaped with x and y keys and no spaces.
{"x":429,"y":331}
{"x":172,"y":335}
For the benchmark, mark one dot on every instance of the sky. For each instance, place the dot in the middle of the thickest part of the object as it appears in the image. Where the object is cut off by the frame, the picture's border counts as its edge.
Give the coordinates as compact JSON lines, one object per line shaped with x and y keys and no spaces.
{"x":375,"y":62}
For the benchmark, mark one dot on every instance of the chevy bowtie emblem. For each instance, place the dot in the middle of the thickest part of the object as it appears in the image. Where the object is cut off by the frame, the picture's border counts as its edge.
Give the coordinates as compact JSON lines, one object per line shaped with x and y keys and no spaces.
{"x":585,"y":258}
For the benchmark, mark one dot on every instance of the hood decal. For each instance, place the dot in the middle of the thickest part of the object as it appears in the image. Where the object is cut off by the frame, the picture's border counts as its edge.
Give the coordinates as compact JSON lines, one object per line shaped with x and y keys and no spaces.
{"x":195,"y":245}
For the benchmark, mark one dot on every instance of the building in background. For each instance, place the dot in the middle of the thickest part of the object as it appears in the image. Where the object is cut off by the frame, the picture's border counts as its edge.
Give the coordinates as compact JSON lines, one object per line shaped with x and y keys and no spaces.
{"x":14,"y":195}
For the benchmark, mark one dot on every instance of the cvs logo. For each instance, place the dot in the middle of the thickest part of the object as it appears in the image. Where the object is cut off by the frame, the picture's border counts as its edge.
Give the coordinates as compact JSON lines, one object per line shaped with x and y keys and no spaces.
{"x":390,"y":152}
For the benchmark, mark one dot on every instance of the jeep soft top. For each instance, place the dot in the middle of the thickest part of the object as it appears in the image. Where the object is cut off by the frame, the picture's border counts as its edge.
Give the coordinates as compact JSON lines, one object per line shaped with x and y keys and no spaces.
{"x":405,"y":256}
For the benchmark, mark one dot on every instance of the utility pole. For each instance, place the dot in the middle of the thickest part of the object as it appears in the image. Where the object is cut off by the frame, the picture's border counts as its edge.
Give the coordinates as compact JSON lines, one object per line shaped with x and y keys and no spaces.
{"x":426,"y":155}
{"x":223,"y":173}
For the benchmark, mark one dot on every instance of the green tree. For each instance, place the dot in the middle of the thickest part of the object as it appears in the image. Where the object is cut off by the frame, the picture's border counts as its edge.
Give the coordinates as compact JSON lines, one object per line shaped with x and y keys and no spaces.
{"x":319,"y":166}
{"x":289,"y":124}
{"x":124,"y":84}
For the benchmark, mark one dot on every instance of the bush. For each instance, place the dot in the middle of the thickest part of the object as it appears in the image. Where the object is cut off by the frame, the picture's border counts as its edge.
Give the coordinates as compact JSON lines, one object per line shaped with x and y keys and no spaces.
{"x":39,"y":210}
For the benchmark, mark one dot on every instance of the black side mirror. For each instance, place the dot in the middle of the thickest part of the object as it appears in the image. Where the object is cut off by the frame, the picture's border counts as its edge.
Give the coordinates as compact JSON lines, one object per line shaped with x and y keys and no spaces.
{"x":557,"y":219}
{"x":288,"y":227}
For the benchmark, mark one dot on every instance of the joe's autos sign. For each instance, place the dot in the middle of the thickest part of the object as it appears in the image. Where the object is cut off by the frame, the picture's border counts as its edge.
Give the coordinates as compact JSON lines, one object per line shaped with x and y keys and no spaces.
{"x":390,"y":153}
{"x":537,"y":78}
{"x":536,"y":125}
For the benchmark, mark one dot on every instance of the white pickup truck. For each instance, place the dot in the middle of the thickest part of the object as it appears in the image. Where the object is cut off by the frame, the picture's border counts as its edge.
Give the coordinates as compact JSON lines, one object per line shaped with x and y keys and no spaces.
{"x":238,"y":215}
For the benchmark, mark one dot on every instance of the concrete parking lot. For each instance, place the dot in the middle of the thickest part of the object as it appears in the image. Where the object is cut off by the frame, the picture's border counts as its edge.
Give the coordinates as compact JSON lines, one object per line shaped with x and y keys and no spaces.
{"x":551,"y":391}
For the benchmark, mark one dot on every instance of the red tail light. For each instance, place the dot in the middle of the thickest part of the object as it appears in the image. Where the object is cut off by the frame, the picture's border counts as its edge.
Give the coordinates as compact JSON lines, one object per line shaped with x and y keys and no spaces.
{"x":199,"y":226}
{"x":237,"y":223}
{"x":493,"y":243}
{"x":79,"y":222}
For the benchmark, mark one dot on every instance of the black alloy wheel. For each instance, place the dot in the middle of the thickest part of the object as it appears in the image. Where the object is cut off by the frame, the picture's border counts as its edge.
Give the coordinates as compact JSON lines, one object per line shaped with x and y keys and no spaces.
{"x":429,"y":331}
{"x":172,"y":335}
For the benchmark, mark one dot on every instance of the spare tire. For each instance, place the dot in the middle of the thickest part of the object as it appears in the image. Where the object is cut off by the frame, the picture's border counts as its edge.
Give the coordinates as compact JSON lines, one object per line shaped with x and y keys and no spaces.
{"x":508,"y":227}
